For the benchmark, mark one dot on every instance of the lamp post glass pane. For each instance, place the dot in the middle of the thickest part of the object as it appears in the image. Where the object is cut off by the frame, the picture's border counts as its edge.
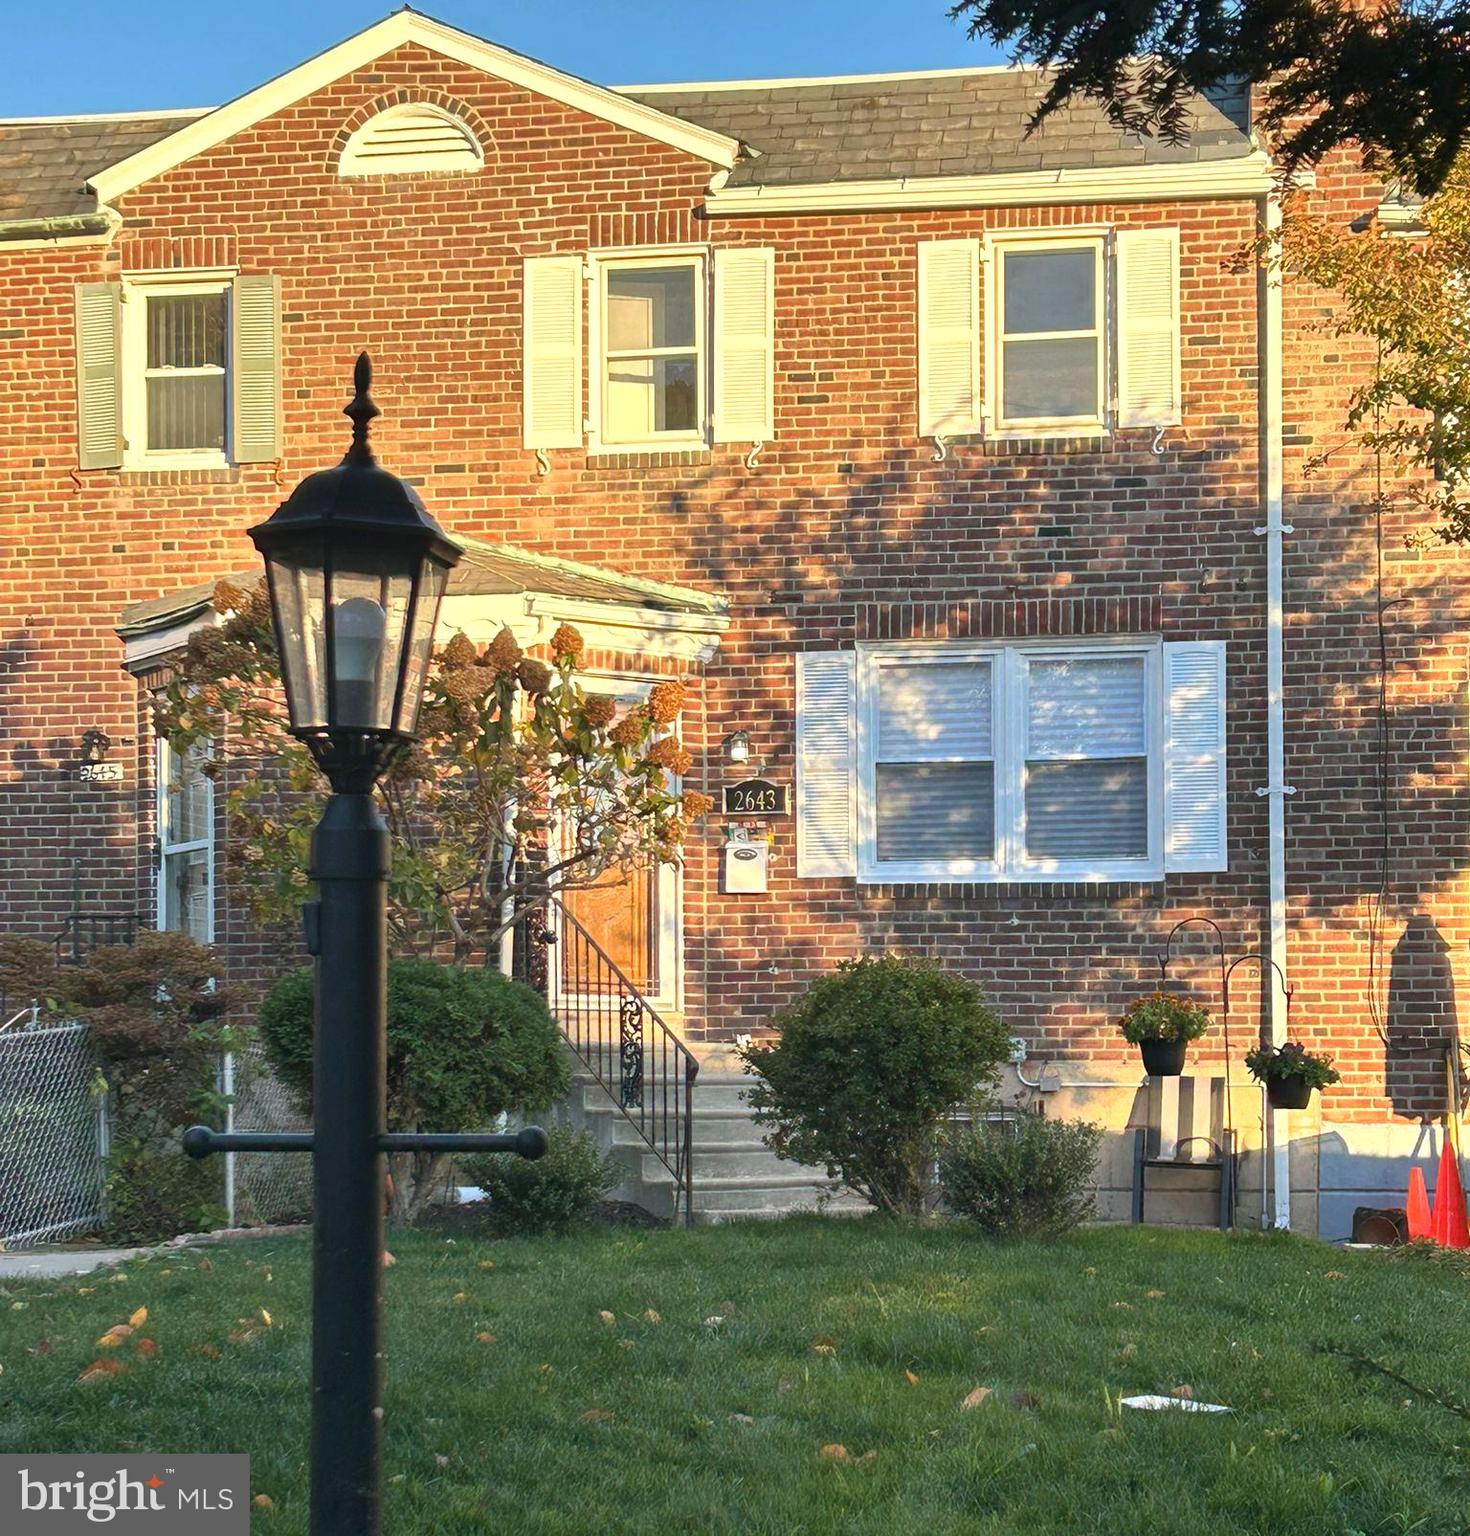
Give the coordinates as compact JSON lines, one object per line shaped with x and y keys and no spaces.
{"x":433,"y":576}
{"x":298,"y":592}
{"x":368,"y":614}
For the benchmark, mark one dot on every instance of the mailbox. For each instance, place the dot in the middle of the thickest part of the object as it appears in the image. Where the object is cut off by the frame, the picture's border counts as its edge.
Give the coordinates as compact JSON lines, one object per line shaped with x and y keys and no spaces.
{"x":746,"y":866}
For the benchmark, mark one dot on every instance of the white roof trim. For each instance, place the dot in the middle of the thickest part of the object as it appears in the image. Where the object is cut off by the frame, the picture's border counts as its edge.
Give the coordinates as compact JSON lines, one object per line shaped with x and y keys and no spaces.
{"x":780,"y":82}
{"x":401,"y":28}
{"x":1246,"y":176}
{"x":106,"y":117}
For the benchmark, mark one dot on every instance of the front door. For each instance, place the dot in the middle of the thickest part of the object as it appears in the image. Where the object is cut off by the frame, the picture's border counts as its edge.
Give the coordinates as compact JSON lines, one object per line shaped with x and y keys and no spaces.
{"x":621,"y":912}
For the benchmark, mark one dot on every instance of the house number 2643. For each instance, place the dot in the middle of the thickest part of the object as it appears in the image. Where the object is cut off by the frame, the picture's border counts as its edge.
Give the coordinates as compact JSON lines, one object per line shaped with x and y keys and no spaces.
{"x":755,"y":797}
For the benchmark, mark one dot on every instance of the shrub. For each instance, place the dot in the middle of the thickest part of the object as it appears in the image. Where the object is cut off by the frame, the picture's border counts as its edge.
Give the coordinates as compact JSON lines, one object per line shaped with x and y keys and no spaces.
{"x":464,"y":1047}
{"x":550,"y":1194}
{"x":1266,"y":1062}
{"x":156,"y":1015}
{"x":1161,"y":1016}
{"x":1031,"y":1178}
{"x":867,"y":1066}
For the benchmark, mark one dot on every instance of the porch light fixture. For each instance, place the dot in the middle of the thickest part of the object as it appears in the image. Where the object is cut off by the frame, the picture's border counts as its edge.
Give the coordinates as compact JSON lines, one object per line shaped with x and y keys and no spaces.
{"x":357,"y":569}
{"x":737,"y":747}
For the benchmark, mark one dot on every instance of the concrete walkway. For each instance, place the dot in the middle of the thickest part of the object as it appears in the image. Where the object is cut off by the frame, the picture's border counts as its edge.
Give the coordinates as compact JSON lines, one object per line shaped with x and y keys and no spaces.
{"x":51,"y":1263}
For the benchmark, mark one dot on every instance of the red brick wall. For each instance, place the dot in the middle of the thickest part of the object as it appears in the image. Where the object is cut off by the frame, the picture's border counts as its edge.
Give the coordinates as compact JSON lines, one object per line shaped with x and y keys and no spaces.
{"x":847,"y":528}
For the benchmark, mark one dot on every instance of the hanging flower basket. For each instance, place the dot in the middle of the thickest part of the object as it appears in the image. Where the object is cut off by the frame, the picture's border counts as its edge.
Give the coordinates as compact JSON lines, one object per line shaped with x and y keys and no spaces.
{"x":1290,"y":1073}
{"x":1161,"y":1026}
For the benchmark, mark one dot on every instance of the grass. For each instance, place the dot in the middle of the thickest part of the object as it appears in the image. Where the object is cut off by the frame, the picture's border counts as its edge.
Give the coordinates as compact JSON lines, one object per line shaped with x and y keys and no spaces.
{"x":829,"y":1332}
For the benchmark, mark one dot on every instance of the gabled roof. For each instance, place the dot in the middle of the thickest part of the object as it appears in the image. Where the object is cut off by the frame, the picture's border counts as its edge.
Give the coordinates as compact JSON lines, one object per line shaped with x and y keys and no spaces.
{"x":395,"y":31}
{"x":949,"y":123}
{"x":485,"y":570}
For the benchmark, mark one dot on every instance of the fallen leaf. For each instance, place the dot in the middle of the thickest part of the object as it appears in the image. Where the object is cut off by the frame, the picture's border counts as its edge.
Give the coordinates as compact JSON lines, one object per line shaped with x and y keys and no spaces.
{"x":823,"y":1349}
{"x":714,"y":1322}
{"x":263,"y":1501}
{"x":1154,"y":1295}
{"x":165,"y":1271}
{"x":1127,"y":1353}
{"x":440,"y":1461}
{"x":975,"y":1398}
{"x":100,"y":1370}
{"x":650,"y":1316}
{"x":43,"y":1347}
{"x":484,"y":1338}
{"x":1025,"y":1399}
{"x":1334,"y":1274}
{"x":909,"y":1377}
{"x":460,"y":1297}
{"x":205,"y":1265}
{"x":388,"y":1260}
{"x":487,"y":1263}
{"x":595,"y":1416}
{"x":627,"y":1343}
{"x":744,"y":1420}
{"x":265,"y":1317}
{"x":1122,"y":1306}
{"x":1090,"y":1272}
{"x":834,"y":1452}
{"x":19,"y":1306}
{"x":607,"y":1319}
{"x":85,"y":1290}
{"x":209,"y":1351}
{"x":114,"y":1336}
{"x":138,"y":1318}
{"x":146,"y":1347}
{"x":869,"y":1455}
{"x":1186,"y":1392}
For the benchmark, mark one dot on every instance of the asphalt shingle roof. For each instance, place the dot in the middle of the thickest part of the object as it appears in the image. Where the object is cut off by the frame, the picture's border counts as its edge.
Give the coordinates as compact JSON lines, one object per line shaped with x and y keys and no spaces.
{"x":44,"y":166}
{"x":485,"y":570}
{"x":841,"y":130}
{"x":933,"y":125}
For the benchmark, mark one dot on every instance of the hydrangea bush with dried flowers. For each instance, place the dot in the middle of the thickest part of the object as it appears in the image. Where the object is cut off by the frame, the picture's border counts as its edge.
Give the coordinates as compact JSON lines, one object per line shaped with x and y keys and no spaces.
{"x":521,"y":780}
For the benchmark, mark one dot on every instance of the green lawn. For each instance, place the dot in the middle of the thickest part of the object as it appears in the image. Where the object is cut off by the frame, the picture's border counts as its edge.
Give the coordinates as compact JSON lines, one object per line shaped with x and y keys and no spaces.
{"x":734,"y":1355}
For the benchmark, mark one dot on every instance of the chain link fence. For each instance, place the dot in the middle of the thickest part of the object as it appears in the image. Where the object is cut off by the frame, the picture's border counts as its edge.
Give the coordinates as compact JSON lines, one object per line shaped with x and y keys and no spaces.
{"x":53,"y":1135}
{"x":264,"y":1187}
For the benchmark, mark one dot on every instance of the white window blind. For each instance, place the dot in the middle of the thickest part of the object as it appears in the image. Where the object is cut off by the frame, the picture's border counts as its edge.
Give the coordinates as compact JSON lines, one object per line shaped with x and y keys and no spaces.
{"x":1086,"y":789}
{"x":185,"y":843}
{"x":935,"y":774}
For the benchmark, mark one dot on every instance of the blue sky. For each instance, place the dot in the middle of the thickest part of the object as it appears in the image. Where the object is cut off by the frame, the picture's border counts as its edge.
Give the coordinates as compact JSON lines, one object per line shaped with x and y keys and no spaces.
{"x":94,"y":56}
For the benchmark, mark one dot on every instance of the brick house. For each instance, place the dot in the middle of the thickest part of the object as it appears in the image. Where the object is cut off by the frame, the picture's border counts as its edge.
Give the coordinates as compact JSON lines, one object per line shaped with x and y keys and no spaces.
{"x":956,"y":468}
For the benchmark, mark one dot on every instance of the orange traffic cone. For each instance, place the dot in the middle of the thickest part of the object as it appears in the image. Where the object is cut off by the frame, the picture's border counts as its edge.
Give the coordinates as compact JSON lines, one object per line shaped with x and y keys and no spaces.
{"x":1449,"y":1202}
{"x":1421,"y":1223}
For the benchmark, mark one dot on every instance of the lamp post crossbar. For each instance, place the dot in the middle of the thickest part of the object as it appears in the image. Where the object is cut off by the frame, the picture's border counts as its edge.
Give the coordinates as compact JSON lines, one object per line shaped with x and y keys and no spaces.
{"x":530,"y":1143}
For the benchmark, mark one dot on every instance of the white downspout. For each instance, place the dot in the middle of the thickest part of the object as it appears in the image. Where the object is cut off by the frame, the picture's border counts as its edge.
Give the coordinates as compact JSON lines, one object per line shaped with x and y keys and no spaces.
{"x":1276,"y":789}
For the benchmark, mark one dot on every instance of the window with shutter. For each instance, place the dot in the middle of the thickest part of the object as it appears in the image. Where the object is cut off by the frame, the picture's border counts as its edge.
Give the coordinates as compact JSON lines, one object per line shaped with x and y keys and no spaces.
{"x":949,"y":337}
{"x":1148,"y":327}
{"x":1031,"y":761}
{"x":552,"y":352}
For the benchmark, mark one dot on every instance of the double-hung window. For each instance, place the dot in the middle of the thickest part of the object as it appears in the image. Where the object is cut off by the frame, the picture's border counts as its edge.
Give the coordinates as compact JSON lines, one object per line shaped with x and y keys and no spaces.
{"x":185,"y":843}
{"x":651,"y":367}
{"x":177,"y":346}
{"x":1050,"y":340}
{"x":1023,"y":762}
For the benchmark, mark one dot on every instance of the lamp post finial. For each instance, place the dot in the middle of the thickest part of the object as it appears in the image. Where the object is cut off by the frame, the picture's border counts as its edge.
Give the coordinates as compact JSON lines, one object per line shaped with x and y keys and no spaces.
{"x":361,"y":411}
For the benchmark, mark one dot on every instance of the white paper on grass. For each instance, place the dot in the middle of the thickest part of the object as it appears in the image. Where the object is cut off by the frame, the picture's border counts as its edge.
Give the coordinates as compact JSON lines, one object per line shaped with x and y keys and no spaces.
{"x":1155,"y":1402}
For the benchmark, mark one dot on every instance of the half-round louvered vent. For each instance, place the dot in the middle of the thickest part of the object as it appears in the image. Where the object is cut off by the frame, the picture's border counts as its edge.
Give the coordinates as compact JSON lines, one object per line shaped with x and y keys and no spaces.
{"x":411,"y":139}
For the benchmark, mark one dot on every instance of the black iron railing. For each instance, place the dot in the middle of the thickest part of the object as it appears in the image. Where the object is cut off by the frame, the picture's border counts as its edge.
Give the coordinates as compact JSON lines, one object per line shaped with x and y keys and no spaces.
{"x":85,"y":931}
{"x":618,"y":1035}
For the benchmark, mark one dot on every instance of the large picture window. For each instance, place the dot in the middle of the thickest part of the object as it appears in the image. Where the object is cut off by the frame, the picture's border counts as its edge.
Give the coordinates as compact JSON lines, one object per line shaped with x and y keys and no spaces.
{"x":1013,"y":762}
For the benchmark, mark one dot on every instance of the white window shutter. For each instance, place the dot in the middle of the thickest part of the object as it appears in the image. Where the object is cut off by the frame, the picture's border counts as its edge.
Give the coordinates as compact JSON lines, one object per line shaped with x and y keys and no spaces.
{"x":552,"y":352}
{"x":99,"y":375}
{"x":826,"y":763}
{"x":1194,"y":756}
{"x":744,"y":345}
{"x":1148,"y":327}
{"x":255,"y":368}
{"x":949,"y":337}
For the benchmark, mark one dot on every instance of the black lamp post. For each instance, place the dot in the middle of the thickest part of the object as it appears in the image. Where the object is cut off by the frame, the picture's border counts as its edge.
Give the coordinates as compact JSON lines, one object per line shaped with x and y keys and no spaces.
{"x":357,"y":569}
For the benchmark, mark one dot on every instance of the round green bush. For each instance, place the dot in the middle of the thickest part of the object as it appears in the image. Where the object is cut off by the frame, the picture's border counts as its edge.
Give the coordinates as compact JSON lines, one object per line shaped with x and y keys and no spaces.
{"x":866,"y":1068}
{"x":549,"y":1195}
{"x":1031,"y":1177}
{"x":464,"y":1047}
